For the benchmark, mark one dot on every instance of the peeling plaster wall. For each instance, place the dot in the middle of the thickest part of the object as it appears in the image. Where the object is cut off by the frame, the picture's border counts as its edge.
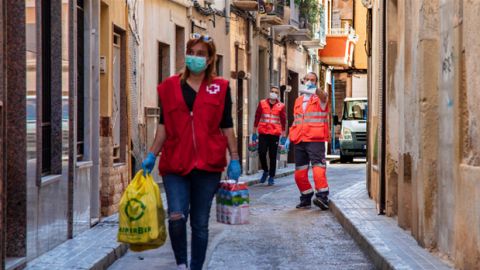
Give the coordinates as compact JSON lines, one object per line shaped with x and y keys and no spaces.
{"x":465,"y":232}
{"x":433,"y":130}
{"x":392,"y":139}
{"x":160,"y":20}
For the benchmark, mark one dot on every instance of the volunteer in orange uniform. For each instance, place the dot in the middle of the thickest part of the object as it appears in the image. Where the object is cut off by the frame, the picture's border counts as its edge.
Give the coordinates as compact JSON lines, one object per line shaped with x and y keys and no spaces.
{"x":308,"y":133}
{"x":270,"y":121}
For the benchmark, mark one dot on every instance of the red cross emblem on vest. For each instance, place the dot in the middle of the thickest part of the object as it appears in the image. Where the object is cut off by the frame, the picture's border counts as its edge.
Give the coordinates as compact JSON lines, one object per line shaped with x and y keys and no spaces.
{"x":213,"y":89}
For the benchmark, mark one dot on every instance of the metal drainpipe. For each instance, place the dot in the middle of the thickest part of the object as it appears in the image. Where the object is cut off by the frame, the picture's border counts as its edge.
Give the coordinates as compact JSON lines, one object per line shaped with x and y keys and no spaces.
{"x":333,"y":112}
{"x":227,"y":16}
{"x":270,"y":61}
{"x":369,"y":95}
{"x":247,"y":93}
{"x":285,"y":100}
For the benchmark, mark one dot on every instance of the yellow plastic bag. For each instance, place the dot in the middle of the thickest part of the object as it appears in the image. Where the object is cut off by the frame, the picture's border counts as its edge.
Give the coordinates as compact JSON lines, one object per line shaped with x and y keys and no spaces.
{"x":162,"y":229}
{"x":138,"y":211}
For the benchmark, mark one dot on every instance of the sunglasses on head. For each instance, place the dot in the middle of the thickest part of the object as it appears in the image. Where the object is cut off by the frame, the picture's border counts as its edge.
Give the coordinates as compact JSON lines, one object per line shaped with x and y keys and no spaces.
{"x":205,"y":38}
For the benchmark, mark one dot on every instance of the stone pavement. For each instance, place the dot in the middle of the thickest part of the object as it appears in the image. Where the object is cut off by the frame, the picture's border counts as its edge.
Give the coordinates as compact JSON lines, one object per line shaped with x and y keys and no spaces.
{"x":271,"y":239}
{"x":389,"y":246}
{"x":279,"y":236}
{"x":97,"y":248}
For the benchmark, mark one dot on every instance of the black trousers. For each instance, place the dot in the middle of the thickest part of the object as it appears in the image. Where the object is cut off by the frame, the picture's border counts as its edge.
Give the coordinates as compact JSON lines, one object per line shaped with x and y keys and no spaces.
{"x":268,"y":143}
{"x":310,"y":152}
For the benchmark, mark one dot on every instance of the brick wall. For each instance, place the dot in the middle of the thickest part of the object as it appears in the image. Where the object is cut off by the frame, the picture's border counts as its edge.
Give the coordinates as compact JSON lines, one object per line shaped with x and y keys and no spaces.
{"x":114,"y":177}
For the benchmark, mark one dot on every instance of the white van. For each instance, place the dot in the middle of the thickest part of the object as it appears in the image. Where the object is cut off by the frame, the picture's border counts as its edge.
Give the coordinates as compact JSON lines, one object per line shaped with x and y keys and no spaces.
{"x":353,"y":137}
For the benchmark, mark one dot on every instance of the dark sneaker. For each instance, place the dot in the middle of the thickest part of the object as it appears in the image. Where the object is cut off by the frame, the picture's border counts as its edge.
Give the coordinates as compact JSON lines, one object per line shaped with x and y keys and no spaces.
{"x":321,"y":201}
{"x":271,"y":182}
{"x":264,"y":177}
{"x":305,"y":201}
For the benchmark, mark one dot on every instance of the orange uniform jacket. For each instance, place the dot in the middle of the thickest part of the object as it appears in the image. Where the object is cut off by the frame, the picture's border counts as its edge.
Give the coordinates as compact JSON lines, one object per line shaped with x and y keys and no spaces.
{"x":270,"y":120}
{"x":310,"y":125}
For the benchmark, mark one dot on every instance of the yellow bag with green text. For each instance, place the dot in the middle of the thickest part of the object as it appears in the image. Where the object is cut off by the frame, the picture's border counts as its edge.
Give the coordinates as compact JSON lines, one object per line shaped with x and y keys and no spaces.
{"x":139,"y":217}
{"x":162,"y":229}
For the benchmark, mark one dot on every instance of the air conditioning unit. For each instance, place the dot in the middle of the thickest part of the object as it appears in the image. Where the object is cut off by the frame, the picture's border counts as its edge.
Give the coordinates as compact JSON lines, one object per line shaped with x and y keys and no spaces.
{"x":152,"y":112}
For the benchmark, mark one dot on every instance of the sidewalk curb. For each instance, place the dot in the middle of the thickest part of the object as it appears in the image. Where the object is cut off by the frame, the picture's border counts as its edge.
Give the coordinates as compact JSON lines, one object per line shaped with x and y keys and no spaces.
{"x":111,"y":257}
{"x":380,"y":237}
{"x":94,"y":249}
{"x":379,"y":261}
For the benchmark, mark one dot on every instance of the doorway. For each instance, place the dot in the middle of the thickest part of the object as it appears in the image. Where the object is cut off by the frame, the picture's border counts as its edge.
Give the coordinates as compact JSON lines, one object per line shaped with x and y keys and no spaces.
{"x":116,"y":102}
{"x":263,"y":88}
{"x":292,"y":81}
{"x":119,"y":97}
{"x":163,"y":61}
{"x":240,"y":117}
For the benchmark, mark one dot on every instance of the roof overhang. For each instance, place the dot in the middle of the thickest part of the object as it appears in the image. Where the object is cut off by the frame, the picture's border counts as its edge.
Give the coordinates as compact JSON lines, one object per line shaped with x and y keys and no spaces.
{"x":313,"y":44}
{"x":300,"y":35}
{"x":271,"y":20}
{"x":246,"y":5}
{"x":283,"y":29}
{"x":183,"y":3}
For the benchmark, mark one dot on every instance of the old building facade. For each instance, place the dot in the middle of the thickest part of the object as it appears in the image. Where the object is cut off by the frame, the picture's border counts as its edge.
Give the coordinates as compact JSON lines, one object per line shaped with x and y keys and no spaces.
{"x":424,"y":158}
{"x":78,"y":100}
{"x":50,"y":163}
{"x":114,"y":104}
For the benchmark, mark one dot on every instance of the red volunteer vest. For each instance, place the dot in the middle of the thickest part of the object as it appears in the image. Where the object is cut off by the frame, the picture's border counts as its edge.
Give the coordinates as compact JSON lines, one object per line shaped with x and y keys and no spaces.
{"x":194,"y":139}
{"x":270,"y":120}
{"x":310,"y":125}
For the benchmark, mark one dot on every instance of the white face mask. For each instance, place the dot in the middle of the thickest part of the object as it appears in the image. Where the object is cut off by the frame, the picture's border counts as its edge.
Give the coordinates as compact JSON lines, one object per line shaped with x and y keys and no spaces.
{"x":273,"y":95}
{"x":308,"y":88}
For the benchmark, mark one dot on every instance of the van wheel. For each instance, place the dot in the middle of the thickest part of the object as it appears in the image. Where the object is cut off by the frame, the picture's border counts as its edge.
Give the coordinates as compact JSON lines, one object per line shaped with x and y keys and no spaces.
{"x":345,"y":159}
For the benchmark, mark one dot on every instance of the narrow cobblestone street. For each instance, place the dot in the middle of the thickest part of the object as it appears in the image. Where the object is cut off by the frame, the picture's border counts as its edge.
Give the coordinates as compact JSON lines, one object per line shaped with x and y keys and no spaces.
{"x":278,"y":236}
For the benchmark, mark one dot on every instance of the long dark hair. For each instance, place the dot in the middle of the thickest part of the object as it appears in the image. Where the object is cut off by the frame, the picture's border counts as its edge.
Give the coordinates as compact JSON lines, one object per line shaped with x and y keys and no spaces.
{"x":212,"y":54}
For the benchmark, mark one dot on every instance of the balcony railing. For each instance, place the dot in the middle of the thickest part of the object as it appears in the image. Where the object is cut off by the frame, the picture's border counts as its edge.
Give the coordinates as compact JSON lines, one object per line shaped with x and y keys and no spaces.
{"x":342,"y":31}
{"x":303,"y":29}
{"x":339,"y":47}
{"x":274,"y":11}
{"x":276,"y":7}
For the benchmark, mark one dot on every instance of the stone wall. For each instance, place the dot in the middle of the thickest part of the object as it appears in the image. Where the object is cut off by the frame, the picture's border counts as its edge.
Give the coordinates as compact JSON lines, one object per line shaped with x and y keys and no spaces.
{"x":432,"y":114}
{"x":464,"y":52}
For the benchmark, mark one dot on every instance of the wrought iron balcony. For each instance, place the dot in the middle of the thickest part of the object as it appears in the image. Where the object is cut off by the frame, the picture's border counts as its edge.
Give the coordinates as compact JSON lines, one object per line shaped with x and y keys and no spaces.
{"x":303,"y":28}
{"x":273,"y":12}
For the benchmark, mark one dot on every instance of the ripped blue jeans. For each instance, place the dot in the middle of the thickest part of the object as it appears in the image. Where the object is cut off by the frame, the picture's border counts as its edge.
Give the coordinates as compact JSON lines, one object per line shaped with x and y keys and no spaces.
{"x":190,"y":195}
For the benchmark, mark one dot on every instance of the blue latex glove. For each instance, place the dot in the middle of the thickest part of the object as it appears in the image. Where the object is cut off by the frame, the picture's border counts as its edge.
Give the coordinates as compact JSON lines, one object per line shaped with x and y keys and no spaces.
{"x":287,"y":144}
{"x":254,"y":137}
{"x":283,"y":140}
{"x":148,"y":163}
{"x":234,"y":169}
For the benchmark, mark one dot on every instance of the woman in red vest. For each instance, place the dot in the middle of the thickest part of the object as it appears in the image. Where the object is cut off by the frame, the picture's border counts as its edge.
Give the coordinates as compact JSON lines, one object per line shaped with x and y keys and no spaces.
{"x":195,"y":130}
{"x":309,"y":133}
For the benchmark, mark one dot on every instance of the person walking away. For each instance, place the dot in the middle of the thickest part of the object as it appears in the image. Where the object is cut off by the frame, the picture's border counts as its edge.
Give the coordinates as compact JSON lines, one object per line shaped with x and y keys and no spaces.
{"x":309,"y":133}
{"x":195,"y":130}
{"x":270,"y":122}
